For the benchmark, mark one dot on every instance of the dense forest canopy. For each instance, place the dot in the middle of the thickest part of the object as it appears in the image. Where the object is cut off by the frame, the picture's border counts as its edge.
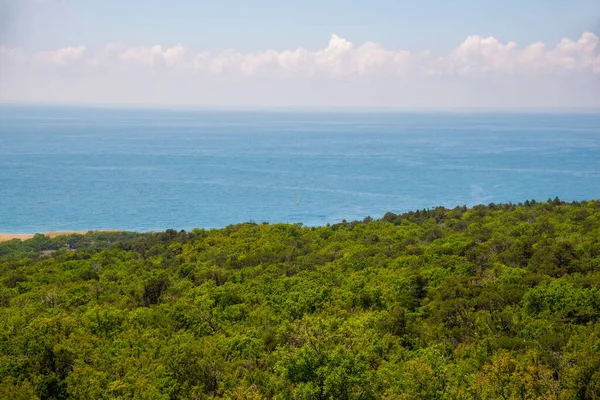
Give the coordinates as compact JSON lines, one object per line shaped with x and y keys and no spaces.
{"x":490,"y":302}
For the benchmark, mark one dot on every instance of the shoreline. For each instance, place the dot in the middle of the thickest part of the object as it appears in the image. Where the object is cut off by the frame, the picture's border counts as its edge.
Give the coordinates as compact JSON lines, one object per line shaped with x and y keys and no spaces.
{"x":4,"y":237}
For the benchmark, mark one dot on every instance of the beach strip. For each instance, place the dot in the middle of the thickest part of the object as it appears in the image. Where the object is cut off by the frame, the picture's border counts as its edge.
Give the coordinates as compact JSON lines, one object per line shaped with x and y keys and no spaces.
{"x":24,"y":236}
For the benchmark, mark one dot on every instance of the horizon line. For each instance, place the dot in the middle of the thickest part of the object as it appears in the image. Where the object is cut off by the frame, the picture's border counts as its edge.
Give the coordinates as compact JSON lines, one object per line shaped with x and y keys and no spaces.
{"x":303,"y":108}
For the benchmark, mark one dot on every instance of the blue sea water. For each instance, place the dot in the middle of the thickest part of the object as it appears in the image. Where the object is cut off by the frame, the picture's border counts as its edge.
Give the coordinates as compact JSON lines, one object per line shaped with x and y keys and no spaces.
{"x":81,"y":169}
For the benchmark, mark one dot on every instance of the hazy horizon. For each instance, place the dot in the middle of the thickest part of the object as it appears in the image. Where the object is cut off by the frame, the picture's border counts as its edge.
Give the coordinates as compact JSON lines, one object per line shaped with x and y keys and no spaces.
{"x":301,"y":109}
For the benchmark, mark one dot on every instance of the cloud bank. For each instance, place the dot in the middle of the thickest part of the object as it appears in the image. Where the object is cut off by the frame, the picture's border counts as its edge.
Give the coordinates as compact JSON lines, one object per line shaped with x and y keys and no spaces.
{"x":479,"y":72}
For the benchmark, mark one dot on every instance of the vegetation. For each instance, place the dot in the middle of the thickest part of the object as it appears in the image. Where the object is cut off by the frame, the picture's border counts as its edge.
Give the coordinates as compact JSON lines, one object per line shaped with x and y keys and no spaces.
{"x":491,"y":302}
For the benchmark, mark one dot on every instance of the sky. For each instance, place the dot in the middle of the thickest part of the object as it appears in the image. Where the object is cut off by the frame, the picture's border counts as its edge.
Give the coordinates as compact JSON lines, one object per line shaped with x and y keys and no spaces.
{"x":235,"y":53}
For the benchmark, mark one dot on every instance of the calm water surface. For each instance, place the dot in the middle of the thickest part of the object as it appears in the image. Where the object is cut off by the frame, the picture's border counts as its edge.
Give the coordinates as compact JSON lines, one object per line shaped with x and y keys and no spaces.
{"x":80,"y":169}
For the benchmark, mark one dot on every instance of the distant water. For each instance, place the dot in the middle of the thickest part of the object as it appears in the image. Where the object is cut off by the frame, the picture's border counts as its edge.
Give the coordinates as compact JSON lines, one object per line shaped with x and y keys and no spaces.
{"x":81,"y":169}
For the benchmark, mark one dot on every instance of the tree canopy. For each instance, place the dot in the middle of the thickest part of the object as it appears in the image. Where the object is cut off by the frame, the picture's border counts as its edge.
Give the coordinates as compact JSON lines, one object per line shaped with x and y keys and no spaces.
{"x":490,"y":302}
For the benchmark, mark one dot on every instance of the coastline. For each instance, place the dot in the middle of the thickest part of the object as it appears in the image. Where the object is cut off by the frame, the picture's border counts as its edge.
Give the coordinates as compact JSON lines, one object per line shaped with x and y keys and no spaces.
{"x":24,"y":236}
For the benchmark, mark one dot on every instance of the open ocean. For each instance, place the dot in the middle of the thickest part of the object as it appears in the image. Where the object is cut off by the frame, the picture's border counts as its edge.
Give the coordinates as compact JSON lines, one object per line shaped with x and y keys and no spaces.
{"x":85,"y":168}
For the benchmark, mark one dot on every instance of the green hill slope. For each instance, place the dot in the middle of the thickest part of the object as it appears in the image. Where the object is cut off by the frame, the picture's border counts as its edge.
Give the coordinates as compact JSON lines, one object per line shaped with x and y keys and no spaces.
{"x":492,"y":302}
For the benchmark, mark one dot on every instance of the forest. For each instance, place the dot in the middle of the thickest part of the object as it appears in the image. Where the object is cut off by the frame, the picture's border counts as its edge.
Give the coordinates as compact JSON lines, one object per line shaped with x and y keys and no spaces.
{"x":498,"y":301}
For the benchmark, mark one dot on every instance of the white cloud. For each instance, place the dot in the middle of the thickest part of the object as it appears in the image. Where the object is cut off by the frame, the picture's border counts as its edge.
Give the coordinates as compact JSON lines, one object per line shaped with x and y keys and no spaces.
{"x":581,"y":54}
{"x":477,"y":54}
{"x":61,"y":56}
{"x":341,"y":57}
{"x":173,"y":55}
{"x":148,"y":56}
{"x":292,"y":61}
{"x":332,"y":57}
{"x":482,"y":54}
{"x":479,"y":67}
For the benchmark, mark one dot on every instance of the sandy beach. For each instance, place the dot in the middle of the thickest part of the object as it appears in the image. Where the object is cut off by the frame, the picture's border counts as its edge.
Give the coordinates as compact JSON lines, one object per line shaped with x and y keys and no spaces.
{"x":24,"y":236}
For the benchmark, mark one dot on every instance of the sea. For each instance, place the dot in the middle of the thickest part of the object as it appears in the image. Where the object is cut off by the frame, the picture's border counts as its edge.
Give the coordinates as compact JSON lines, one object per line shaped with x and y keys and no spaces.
{"x":77,"y":168}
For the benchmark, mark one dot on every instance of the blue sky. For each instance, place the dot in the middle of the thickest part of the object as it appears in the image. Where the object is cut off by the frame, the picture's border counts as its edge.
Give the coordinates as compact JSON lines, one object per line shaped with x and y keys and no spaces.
{"x":255,"y":25}
{"x":427,"y":53}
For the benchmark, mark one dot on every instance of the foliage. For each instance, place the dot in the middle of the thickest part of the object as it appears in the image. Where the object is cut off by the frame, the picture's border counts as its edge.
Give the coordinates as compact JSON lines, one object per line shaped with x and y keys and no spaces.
{"x":491,"y":302}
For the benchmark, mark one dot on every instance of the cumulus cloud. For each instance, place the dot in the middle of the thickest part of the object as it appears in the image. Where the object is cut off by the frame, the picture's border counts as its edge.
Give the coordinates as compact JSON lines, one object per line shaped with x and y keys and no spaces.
{"x":62,"y":56}
{"x":341,"y":58}
{"x":477,"y":54}
{"x":385,"y":74}
{"x":148,"y":56}
{"x":582,"y":54}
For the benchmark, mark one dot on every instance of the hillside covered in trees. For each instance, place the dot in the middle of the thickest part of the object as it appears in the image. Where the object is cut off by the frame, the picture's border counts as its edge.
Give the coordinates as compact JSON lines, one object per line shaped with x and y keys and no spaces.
{"x":491,"y":302}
